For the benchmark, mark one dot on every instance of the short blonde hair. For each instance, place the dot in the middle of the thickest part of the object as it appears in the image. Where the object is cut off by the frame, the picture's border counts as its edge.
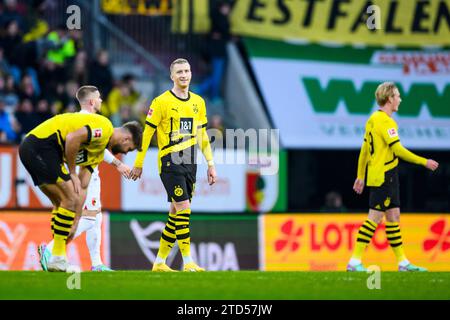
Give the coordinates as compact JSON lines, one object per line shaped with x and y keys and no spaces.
{"x":384,"y":91}
{"x":177,"y":61}
{"x":84,"y":91}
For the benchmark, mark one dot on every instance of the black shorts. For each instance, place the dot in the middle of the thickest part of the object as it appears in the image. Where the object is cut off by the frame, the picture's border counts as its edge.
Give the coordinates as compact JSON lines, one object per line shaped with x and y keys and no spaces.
{"x":178,"y":179}
{"x":386,"y":196}
{"x":43,"y":159}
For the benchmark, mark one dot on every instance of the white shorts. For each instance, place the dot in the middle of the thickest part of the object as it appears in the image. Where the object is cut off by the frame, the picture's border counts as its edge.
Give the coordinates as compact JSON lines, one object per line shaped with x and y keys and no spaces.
{"x":93,"y":193}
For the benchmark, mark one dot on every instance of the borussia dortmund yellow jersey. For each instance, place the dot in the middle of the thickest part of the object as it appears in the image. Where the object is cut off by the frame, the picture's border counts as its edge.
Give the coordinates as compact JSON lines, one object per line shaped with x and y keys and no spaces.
{"x":99,"y":128}
{"x":177,"y":122}
{"x":381,"y":149}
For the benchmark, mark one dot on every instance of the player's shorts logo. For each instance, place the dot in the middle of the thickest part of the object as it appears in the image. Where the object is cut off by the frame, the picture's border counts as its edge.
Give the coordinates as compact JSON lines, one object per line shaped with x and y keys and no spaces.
{"x":178,"y":191}
{"x":387,"y":202}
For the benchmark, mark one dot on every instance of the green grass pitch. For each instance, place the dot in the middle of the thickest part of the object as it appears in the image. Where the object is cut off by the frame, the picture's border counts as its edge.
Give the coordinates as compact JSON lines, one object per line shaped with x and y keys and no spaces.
{"x":241,"y":285}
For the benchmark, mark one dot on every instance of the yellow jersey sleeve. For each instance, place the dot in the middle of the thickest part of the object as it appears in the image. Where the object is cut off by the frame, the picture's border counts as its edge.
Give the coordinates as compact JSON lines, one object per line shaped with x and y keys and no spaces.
{"x":152,"y":121}
{"x":363,"y":159}
{"x":203,"y":119}
{"x":154,"y":114}
{"x":388,"y":130}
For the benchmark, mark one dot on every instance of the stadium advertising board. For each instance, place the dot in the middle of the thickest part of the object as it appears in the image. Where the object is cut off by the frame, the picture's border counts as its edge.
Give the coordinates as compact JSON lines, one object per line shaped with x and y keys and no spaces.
{"x":326,"y":94}
{"x":217,"y":242}
{"x":239,"y":186}
{"x":325,"y":242}
{"x":22,"y":232}
{"x":18,"y":191}
{"x":400,"y":22}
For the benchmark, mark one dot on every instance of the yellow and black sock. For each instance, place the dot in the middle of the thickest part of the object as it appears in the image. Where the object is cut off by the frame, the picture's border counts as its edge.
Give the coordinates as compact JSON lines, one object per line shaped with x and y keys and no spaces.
{"x":365,"y":234}
{"x":394,"y":237}
{"x":182,"y":232}
{"x":62,"y":225}
{"x":168,"y":237}
{"x":54,"y":212}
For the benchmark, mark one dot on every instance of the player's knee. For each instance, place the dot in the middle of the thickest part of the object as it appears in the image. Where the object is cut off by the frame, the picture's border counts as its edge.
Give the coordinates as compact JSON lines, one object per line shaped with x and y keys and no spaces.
{"x":71,"y":202}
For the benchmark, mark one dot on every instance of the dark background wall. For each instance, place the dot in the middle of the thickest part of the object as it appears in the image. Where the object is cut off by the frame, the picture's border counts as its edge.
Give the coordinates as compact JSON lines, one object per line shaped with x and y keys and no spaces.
{"x":314,"y":173}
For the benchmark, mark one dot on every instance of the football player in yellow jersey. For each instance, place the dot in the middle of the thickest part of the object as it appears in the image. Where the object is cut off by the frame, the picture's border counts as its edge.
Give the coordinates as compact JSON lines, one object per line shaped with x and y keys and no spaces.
{"x":179,"y":118}
{"x":72,"y":139}
{"x":379,"y":153}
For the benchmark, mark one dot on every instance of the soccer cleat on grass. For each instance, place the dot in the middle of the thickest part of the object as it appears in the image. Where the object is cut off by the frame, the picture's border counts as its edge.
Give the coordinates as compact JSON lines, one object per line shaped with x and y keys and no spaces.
{"x":57,"y":264}
{"x":162,"y":267}
{"x":100,"y":268}
{"x":192,"y":267}
{"x":357,"y":268}
{"x":44,"y":256}
{"x":411,"y":267}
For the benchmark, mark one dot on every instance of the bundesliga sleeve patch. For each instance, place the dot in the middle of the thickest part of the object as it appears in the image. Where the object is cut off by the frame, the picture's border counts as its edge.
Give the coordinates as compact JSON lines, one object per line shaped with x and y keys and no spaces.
{"x":392,"y":132}
{"x":97,"y":133}
{"x":150,"y":112}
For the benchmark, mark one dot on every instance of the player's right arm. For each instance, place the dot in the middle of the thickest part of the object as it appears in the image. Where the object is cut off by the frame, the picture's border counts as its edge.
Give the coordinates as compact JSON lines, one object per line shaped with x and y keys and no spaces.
{"x":151,"y":123}
{"x":364,"y":154}
{"x":73,"y":142}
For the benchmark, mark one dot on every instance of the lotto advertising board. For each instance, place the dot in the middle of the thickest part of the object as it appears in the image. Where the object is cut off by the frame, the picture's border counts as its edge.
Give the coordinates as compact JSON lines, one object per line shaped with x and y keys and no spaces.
{"x":22,"y":232}
{"x":225,"y":242}
{"x":325,"y":242}
{"x":326,"y":94}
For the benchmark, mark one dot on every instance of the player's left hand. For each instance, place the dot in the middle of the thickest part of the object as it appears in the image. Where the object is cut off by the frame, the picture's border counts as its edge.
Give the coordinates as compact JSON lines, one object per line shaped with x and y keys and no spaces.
{"x":135,"y":173}
{"x":212,"y":175}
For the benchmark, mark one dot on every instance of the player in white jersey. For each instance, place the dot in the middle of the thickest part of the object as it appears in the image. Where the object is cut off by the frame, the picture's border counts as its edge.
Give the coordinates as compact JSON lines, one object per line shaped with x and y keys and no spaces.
{"x":91,"y":218}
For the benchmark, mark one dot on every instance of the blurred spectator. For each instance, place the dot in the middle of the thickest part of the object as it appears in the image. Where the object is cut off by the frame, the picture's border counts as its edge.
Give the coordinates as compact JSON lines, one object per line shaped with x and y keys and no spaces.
{"x":8,"y":126}
{"x":10,"y":42}
{"x":27,"y":90}
{"x":100,"y":74}
{"x":216,"y":131}
{"x":13,"y":11}
{"x":65,"y":46}
{"x":333,"y":203}
{"x":43,"y":111}
{"x":49,"y":78}
{"x":26,"y":119}
{"x":35,"y":25}
{"x":79,"y":67}
{"x":11,"y":98}
{"x":123,"y":96}
{"x":5,"y":68}
{"x":216,"y":51}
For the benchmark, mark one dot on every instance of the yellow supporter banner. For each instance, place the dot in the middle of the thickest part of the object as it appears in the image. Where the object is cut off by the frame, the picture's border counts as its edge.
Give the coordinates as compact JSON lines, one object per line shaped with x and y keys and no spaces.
{"x":376,"y":22}
{"x":325,"y":242}
{"x":137,"y":7}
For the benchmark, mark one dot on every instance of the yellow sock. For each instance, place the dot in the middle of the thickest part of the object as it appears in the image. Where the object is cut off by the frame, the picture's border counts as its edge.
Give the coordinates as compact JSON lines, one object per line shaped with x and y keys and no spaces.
{"x":394,"y":237}
{"x":182,"y":232}
{"x":61,"y":228}
{"x":365,"y":234}
{"x":168,"y":237}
